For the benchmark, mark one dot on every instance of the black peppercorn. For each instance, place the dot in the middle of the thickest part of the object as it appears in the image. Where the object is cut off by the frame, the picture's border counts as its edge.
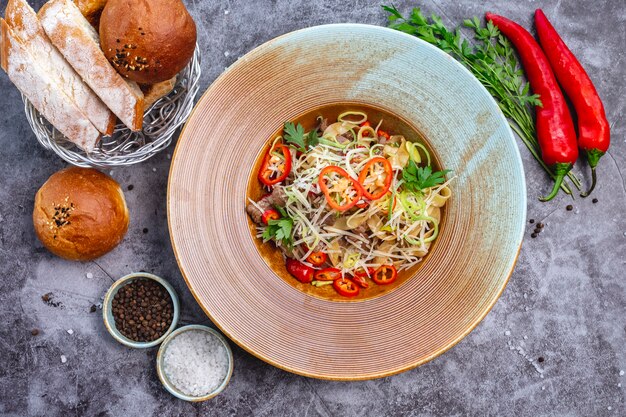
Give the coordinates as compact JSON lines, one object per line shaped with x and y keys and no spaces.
{"x":133,"y":306}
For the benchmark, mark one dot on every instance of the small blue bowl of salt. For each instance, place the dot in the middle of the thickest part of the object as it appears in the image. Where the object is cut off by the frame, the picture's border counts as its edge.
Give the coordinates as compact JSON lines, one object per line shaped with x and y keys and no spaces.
{"x":195,"y":363}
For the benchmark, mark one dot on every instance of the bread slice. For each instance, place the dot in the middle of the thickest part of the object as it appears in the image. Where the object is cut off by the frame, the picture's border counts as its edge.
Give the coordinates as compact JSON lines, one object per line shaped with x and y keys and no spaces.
{"x":153,"y":92}
{"x":74,"y":37}
{"x":47,"y":97}
{"x":91,"y":9}
{"x":25,"y":25}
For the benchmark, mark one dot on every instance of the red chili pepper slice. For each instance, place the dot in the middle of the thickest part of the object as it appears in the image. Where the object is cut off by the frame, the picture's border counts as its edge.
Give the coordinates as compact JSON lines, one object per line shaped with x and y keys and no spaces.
{"x":270,"y":214}
{"x":555,"y":128}
{"x":360,"y":277}
{"x":327,"y":274}
{"x":342,"y":191}
{"x":383,"y":134}
{"x":362,"y":204}
{"x":384,"y":275}
{"x":373,"y":187}
{"x":594,"y":132}
{"x":362,"y":273}
{"x":275,"y":168}
{"x":366,"y":124}
{"x":299,"y":270}
{"x":346,"y":287}
{"x":317,"y":258}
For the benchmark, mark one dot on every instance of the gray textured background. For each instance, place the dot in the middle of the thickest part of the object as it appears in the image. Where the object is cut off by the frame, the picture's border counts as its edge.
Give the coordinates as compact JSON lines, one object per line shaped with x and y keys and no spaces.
{"x":565,"y":303}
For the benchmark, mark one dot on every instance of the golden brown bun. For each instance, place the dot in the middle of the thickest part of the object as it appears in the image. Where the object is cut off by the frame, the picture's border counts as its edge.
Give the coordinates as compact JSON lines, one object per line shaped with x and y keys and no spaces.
{"x":91,"y":9}
{"x":147,"y":41}
{"x":80,"y":214}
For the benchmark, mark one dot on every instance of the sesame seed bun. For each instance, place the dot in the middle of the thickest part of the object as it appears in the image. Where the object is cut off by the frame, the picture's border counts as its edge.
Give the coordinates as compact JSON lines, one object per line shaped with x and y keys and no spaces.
{"x":80,"y":214}
{"x":147,"y":41}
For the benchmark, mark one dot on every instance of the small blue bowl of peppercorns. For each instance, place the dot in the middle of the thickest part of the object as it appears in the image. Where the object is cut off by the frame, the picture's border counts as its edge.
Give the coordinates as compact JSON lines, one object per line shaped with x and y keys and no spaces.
{"x":140,"y":310}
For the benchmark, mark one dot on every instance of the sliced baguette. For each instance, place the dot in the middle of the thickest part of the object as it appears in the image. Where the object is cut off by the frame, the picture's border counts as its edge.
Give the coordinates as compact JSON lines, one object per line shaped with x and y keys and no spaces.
{"x":74,"y":37}
{"x":47,"y":97}
{"x":25,"y":25}
{"x":153,"y":92}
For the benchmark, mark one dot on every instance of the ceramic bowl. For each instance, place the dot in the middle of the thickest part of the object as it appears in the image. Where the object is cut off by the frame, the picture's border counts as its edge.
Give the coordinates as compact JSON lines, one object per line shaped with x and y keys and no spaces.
{"x":480,"y":234}
{"x":171,"y":387}
{"x":107,"y":312}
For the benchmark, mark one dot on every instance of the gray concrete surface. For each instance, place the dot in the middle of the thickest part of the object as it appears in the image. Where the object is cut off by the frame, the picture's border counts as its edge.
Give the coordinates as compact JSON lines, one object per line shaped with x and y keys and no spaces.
{"x":565,"y":306}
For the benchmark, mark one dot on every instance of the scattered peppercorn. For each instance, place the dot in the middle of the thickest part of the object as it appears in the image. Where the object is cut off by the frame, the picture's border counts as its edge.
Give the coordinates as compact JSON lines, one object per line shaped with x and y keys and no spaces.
{"x":34,"y":332}
{"x":540,"y":225}
{"x":92,"y":309}
{"x":531,"y":221}
{"x":537,"y":230}
{"x":541,"y":359}
{"x":49,"y":299}
{"x":594,"y":201}
{"x":569,"y":207}
{"x":142,"y":310}
{"x":130,"y":187}
{"x":145,"y":230}
{"x":534,"y":235}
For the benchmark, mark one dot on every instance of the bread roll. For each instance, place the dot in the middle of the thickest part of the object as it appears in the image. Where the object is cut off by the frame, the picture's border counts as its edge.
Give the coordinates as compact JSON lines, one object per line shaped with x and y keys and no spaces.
{"x":147,"y":41}
{"x":80,"y":214}
{"x":91,"y":9}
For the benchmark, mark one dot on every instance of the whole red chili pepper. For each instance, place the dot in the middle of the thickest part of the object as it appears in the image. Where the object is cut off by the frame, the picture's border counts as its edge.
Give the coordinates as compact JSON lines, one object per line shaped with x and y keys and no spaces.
{"x":594,"y":134}
{"x":555,"y":129}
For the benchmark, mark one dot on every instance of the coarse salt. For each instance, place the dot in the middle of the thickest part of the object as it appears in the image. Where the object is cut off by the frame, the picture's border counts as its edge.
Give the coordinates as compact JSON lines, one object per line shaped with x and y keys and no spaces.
{"x":89,"y":275}
{"x":621,"y":373}
{"x":195,"y":362}
{"x":63,"y":359}
{"x":507,"y":333}
{"x":70,"y":331}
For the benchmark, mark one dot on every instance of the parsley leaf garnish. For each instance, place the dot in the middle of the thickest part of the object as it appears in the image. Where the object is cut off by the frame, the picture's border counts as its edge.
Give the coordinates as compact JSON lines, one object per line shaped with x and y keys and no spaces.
{"x":313,"y":139}
{"x":280,"y":230}
{"x":295,"y":137}
{"x":417,"y":178}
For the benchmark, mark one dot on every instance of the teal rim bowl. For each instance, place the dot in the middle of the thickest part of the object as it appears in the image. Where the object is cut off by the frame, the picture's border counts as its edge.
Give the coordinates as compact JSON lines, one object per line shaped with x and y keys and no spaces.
{"x":170,"y":387}
{"x":107,"y":310}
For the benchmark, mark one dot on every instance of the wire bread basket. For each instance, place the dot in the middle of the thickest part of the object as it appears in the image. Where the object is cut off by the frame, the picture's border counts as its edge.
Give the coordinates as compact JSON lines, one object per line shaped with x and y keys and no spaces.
{"x":125,"y":147}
